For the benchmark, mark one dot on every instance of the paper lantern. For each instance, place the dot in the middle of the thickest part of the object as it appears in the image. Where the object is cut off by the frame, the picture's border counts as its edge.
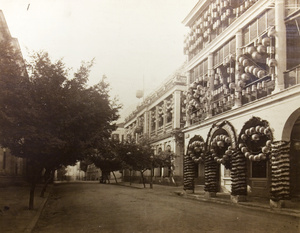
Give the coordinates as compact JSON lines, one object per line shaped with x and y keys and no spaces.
{"x":261,"y":74}
{"x":272,"y":62}
{"x":245,"y":77}
{"x":265,"y":41}
{"x":244,"y":137}
{"x":255,"y":137}
{"x":245,"y":62}
{"x":255,"y":71}
{"x":251,"y":49}
{"x":256,"y":56}
{"x":261,"y":49}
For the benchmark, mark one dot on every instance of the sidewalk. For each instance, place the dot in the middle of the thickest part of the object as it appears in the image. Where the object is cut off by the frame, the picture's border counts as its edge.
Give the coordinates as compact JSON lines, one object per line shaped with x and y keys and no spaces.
{"x":15,"y":216}
{"x":260,"y":204}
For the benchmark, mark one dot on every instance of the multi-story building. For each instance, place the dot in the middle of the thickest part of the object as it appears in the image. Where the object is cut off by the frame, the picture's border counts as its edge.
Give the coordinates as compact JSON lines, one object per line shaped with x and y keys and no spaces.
{"x":159,"y":118}
{"x":12,"y":169}
{"x":242,"y":129}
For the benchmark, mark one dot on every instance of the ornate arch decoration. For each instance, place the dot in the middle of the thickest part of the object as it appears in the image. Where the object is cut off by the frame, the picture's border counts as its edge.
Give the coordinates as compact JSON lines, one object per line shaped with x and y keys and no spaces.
{"x":221,"y":143}
{"x":196,"y":149}
{"x":255,"y":139}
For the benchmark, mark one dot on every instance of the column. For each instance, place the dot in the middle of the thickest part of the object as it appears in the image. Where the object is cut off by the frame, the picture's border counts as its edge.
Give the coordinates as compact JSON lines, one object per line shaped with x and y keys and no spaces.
{"x":210,"y":66}
{"x":238,"y":90}
{"x":188,"y":120}
{"x":280,"y":45}
{"x":156,"y":119}
{"x":164,"y":115}
{"x":176,"y":109}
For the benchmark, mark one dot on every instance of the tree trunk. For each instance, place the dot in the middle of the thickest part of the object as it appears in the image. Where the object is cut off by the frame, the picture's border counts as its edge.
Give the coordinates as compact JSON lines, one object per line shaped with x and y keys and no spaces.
{"x":107,"y":177}
{"x":115,"y":177}
{"x":47,"y":181}
{"x":36,"y":171}
{"x":31,"y":197}
{"x":130,"y":177}
{"x":142,"y":175}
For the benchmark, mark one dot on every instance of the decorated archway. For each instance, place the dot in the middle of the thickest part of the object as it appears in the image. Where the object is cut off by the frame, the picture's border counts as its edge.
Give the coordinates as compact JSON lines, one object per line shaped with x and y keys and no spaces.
{"x":195,"y":154}
{"x":291,"y":133}
{"x":255,"y":144}
{"x":221,"y":144}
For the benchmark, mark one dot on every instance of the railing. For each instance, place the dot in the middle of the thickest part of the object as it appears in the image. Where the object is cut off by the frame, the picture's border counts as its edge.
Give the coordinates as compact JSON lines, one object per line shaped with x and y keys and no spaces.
{"x":292,"y":77}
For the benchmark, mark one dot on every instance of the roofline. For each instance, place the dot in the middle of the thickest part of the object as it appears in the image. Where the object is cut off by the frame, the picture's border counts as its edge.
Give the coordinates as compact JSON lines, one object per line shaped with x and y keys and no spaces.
{"x":195,"y":12}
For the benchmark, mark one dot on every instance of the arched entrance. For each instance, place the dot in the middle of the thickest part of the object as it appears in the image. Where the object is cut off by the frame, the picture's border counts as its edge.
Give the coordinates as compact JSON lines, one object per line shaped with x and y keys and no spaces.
{"x":221,"y":143}
{"x":255,"y":143}
{"x":291,"y":133}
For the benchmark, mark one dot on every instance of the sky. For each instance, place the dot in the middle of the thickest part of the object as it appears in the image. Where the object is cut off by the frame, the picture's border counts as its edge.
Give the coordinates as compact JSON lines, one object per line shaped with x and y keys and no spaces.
{"x":136,"y":44}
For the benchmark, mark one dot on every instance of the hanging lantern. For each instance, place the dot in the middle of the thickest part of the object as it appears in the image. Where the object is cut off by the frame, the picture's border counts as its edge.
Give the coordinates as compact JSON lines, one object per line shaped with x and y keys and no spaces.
{"x":261,"y":49}
{"x":265,"y":41}
{"x":245,"y":62}
{"x":261,"y":74}
{"x":255,"y":71}
{"x":251,"y":49}
{"x":245,"y":77}
{"x":256,"y":56}
{"x":255,"y":137}
{"x":272,"y":62}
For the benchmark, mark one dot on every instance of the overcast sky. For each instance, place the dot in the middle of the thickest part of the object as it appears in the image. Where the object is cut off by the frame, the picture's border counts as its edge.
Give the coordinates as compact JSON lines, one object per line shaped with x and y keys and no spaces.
{"x":131,"y":40}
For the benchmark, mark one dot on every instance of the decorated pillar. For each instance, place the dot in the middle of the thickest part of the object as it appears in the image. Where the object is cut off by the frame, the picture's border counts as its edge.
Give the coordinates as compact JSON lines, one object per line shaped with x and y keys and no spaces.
{"x":156,"y":119}
{"x":188,"y":118}
{"x":238,"y":70}
{"x":280,"y":170}
{"x":176,"y":109}
{"x":164,"y":115}
{"x":238,"y":177}
{"x":280,"y":44}
{"x":146,"y":125}
{"x":210,"y":64}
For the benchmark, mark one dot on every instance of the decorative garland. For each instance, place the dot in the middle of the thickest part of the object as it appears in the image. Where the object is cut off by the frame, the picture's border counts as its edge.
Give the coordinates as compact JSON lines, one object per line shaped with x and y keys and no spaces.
{"x":256,"y":135}
{"x":197,"y":151}
{"x":210,"y":175}
{"x":221,"y":150}
{"x":238,"y":174}
{"x":280,"y":165}
{"x":189,"y":172}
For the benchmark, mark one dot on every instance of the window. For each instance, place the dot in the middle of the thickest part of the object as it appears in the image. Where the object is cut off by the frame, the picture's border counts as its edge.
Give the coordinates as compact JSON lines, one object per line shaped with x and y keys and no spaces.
{"x":259,"y":169}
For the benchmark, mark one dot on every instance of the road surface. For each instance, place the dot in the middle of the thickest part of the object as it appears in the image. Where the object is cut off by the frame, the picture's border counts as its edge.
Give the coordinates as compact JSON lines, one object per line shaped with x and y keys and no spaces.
{"x":93,"y":207}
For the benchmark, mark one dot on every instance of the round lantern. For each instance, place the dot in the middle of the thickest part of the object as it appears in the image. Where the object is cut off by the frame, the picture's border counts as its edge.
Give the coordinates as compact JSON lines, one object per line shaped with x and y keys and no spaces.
{"x":256,"y":56}
{"x":261,"y":49}
{"x":255,"y":71}
{"x":245,"y":62}
{"x":261,"y":74}
{"x":272,"y":62}
{"x":265,"y":41}
{"x":245,"y":77}
{"x":255,"y":137}
{"x":251,"y":49}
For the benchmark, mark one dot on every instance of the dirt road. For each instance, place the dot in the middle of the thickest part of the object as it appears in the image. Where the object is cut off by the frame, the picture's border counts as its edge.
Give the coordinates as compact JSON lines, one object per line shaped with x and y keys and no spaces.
{"x":112,"y":208}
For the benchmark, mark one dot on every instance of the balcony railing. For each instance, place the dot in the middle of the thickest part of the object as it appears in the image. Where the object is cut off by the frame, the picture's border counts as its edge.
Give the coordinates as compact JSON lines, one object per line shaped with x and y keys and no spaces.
{"x":292,"y":77}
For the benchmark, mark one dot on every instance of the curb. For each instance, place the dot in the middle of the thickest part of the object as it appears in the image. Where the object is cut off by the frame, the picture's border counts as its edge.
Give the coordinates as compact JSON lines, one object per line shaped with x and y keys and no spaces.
{"x":249,"y":205}
{"x":33,"y":222}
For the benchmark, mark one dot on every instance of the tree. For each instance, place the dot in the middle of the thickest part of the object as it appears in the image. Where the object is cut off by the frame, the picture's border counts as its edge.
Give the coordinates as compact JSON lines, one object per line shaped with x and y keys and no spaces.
{"x":106,"y":158}
{"x":137,"y":156}
{"x":50,"y":119}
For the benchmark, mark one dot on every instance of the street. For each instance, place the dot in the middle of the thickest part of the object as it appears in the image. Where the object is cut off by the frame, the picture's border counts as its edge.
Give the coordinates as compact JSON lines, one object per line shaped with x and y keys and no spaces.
{"x":93,"y":207}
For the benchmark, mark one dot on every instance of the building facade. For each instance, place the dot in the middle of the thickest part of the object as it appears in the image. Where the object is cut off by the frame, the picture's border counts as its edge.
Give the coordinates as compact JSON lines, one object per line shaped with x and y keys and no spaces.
{"x":242,"y":103}
{"x":12,"y":169}
{"x":160,"y":119}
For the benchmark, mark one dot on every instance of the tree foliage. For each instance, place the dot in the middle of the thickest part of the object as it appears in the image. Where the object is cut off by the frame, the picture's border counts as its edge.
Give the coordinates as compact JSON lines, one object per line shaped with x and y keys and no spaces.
{"x":48,"y":117}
